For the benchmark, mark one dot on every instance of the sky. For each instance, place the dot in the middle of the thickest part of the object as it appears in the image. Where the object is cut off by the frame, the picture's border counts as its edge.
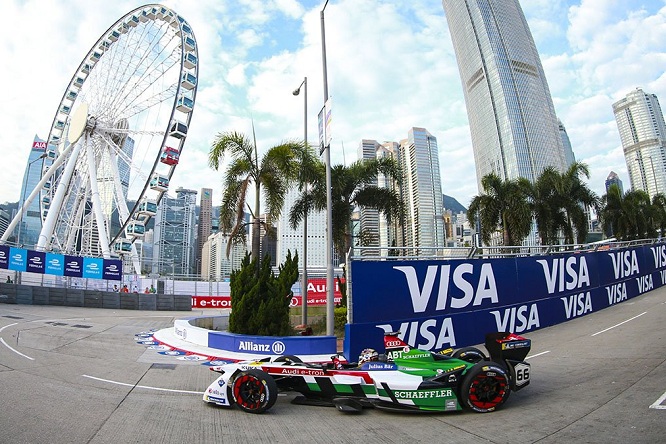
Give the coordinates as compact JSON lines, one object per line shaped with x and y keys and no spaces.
{"x":391,"y":66}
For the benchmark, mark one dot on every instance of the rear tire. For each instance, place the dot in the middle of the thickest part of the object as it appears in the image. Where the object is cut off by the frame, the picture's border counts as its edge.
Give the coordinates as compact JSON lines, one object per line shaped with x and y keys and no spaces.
{"x":485,"y":387}
{"x":469,"y":354}
{"x":254,"y":391}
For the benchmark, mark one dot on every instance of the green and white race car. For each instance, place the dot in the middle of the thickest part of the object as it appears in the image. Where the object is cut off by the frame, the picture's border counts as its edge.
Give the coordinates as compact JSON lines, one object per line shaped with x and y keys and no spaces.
{"x":404,"y":378}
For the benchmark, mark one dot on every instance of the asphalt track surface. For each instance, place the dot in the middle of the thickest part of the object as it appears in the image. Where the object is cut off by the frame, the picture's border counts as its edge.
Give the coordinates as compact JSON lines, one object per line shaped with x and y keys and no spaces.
{"x":76,"y":375}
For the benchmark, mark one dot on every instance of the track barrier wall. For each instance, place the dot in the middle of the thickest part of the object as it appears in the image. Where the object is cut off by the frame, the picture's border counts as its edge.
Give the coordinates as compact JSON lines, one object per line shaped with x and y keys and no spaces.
{"x":454,"y":303}
{"x":73,"y":297}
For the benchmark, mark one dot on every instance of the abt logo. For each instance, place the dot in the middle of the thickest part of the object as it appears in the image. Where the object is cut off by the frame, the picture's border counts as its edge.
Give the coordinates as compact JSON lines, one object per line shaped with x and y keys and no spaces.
{"x":278,"y":347}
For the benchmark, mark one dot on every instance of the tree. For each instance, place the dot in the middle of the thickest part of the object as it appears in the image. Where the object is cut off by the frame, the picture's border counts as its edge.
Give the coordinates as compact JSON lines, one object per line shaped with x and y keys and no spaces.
{"x":356,"y":186}
{"x":544,"y":205}
{"x":503,"y":206}
{"x":628,"y":215}
{"x":260,"y":299}
{"x":574,"y":197}
{"x":272,"y":176}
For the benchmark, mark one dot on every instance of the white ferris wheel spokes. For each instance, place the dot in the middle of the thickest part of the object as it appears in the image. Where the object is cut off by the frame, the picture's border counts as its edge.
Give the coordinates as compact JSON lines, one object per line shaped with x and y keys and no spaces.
{"x":117,"y":135}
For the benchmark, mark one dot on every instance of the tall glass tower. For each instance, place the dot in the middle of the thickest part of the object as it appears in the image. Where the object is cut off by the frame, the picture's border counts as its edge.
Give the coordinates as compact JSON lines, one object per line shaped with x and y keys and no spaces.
{"x":31,"y":222}
{"x":511,"y":115}
{"x":643,"y":132}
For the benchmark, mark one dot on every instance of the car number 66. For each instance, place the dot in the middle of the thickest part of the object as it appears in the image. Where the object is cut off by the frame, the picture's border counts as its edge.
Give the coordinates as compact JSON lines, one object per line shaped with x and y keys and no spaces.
{"x":522,"y":374}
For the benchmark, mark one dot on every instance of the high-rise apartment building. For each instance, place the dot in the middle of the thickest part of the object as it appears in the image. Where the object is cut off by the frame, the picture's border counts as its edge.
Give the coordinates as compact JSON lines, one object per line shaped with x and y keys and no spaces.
{"x":640,"y":122}
{"x":204,"y":224}
{"x":291,"y":239}
{"x":421,"y":192}
{"x":215,"y":265}
{"x":511,"y":114}
{"x":173,"y":241}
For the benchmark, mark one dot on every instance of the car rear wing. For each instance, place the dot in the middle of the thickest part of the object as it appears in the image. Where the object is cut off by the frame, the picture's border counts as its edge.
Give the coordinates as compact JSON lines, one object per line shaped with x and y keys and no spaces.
{"x":502,"y":346}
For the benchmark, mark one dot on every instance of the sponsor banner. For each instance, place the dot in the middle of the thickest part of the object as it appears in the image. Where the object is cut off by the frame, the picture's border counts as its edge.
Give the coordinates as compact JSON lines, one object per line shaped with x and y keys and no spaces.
{"x":36,"y":261}
{"x":211,"y":302}
{"x":297,"y":301}
{"x":4,"y":256}
{"x":225,"y":301}
{"x":273,"y":345}
{"x":39,"y":145}
{"x":113,"y":269}
{"x":516,"y":295}
{"x":54,"y":264}
{"x":18,"y":258}
{"x":93,"y":267}
{"x":73,"y":266}
{"x":317,"y":288}
{"x":430,"y":288}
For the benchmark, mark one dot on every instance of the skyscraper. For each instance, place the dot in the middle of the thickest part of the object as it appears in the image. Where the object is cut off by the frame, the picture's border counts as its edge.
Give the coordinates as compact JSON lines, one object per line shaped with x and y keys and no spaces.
{"x":511,"y":114}
{"x":204,"y":225}
{"x":569,"y":157}
{"x":173,"y":242}
{"x":31,"y":223}
{"x":614,"y":179}
{"x":422,"y":190}
{"x":643,"y":134}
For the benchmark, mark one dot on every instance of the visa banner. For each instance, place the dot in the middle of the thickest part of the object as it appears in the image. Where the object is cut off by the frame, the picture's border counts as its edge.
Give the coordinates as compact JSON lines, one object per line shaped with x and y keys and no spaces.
{"x":454,"y":303}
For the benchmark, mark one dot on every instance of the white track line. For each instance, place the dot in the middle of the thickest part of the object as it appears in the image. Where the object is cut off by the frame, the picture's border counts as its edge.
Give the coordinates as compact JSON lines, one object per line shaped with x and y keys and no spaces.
{"x":657,"y":404}
{"x":617,"y":325}
{"x":538,"y":354}
{"x":2,"y":328}
{"x":143,"y":386}
{"x":14,"y":350}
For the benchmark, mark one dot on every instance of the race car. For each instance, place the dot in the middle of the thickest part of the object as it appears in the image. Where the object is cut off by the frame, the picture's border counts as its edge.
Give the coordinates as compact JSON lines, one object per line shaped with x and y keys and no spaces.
{"x":403,"y":378}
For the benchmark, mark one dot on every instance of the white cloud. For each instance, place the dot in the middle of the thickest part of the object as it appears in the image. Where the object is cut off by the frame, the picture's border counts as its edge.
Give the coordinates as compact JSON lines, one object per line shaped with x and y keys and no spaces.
{"x":390,"y":67}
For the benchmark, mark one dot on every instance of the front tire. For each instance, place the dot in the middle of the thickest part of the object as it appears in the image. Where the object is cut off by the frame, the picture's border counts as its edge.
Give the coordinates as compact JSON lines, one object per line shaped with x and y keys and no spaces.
{"x":485,"y":387}
{"x":254,"y":391}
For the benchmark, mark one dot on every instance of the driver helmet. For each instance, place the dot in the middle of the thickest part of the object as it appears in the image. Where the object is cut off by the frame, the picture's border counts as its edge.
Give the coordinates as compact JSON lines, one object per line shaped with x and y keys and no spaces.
{"x":368,"y":355}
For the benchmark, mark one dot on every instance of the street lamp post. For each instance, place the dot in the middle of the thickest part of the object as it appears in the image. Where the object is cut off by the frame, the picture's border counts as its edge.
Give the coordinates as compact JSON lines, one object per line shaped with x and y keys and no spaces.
{"x":25,"y":185}
{"x":329,"y":209}
{"x":304,"y":286}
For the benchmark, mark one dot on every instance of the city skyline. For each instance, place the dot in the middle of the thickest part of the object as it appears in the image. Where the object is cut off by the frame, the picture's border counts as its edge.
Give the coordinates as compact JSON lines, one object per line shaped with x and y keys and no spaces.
{"x":253,"y":56}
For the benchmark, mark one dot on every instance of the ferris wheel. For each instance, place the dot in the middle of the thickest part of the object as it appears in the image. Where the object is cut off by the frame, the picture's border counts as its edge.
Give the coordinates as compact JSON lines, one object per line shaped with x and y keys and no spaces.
{"x":117,"y":136}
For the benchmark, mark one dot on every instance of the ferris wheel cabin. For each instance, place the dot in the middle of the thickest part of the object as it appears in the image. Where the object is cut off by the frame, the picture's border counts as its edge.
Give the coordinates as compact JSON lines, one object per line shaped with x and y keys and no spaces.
{"x":188,"y":81}
{"x":148,"y":208}
{"x":135,"y":228}
{"x":185,"y":104}
{"x":170,"y":156}
{"x":159,"y":182}
{"x":122,"y":246}
{"x":178,"y":130}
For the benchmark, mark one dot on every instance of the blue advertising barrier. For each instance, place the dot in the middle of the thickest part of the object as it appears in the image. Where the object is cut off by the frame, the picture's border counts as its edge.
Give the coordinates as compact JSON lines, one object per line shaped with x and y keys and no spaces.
{"x":454,"y":303}
{"x":19,"y":259}
{"x":273,"y":345}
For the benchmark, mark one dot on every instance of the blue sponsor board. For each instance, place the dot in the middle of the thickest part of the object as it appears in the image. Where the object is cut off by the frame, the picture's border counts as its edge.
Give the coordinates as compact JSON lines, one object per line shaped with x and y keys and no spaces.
{"x":4,"y":256}
{"x":438,"y":304}
{"x":59,"y":265}
{"x":73,"y":266}
{"x":18,"y":258}
{"x":35,"y":261}
{"x":430,"y":288}
{"x":113,"y":269}
{"x":273,"y":345}
{"x":55,"y":264}
{"x":93,"y":267}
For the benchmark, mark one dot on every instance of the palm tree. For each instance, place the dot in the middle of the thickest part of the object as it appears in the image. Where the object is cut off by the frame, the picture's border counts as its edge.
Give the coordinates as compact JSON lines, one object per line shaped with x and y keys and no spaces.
{"x":502,"y":206}
{"x":271,"y":175}
{"x":575,"y":197}
{"x":544,"y":204}
{"x":353,"y":186}
{"x":628,"y":215}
